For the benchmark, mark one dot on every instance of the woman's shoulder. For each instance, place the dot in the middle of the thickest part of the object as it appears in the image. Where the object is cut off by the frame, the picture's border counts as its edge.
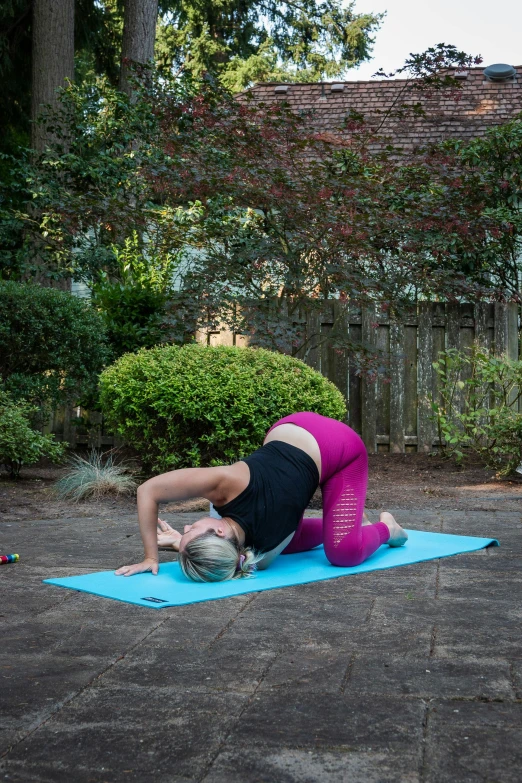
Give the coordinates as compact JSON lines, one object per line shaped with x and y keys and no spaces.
{"x":232,"y":480}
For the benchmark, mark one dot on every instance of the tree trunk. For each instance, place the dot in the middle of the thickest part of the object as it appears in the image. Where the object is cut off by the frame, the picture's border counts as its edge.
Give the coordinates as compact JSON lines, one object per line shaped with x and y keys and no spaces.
{"x":139,"y":34}
{"x":53,"y":58}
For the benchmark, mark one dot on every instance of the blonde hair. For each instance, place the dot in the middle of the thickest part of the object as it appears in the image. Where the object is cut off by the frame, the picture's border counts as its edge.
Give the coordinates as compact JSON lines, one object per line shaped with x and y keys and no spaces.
{"x":210,"y":558}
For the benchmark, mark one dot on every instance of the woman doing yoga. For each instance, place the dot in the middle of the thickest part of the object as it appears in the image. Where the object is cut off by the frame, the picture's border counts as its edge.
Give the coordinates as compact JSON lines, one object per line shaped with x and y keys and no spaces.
{"x":261,"y":501}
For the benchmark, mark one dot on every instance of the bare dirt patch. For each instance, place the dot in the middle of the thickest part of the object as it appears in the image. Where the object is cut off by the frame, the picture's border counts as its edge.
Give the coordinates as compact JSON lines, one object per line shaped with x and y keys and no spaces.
{"x":395,"y":481}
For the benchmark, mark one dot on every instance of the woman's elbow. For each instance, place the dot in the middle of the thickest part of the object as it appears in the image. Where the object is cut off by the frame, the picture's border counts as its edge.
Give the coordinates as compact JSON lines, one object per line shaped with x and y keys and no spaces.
{"x":145,"y":491}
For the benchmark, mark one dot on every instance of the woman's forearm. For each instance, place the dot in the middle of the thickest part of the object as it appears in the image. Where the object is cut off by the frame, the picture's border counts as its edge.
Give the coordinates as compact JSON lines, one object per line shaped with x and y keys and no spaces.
{"x":148,"y":520}
{"x":176,"y":485}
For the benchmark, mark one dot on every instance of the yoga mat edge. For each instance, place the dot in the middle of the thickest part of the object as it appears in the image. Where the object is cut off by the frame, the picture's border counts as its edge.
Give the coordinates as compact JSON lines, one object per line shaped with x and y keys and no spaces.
{"x":171,"y":588}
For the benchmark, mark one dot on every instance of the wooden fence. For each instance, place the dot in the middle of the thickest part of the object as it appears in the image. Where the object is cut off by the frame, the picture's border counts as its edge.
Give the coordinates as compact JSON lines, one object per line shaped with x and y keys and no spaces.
{"x":390,"y":414}
{"x":394,"y":414}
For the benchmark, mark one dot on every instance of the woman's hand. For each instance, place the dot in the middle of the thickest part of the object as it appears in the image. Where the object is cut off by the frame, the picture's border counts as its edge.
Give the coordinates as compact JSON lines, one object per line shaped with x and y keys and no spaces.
{"x":149,"y":564}
{"x":167,"y":536}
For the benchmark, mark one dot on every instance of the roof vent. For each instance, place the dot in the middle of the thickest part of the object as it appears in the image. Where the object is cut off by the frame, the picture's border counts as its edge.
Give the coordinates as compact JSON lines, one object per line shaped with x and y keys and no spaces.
{"x":500,"y":72}
{"x":337,"y":88}
{"x":281,"y":89}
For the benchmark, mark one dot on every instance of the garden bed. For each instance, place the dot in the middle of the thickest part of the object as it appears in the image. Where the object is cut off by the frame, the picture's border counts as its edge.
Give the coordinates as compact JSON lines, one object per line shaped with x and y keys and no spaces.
{"x":396,"y":481}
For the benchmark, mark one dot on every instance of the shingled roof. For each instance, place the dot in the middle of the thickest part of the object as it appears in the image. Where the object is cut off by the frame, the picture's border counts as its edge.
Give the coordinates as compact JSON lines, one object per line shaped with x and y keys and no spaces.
{"x":481,"y":104}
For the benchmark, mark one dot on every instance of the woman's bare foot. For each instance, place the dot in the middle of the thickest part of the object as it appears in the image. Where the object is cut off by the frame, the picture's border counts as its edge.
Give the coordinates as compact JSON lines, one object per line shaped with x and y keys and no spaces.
{"x":398,"y":536}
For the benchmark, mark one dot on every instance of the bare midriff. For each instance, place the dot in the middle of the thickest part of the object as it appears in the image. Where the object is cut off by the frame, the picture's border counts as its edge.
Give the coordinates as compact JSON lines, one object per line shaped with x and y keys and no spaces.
{"x":237,"y":476}
{"x":299,"y":437}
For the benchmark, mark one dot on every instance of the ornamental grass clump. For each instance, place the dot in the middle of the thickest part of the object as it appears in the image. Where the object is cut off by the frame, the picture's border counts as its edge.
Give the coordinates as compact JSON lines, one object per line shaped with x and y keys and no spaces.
{"x":95,"y":477}
{"x":199,"y":406}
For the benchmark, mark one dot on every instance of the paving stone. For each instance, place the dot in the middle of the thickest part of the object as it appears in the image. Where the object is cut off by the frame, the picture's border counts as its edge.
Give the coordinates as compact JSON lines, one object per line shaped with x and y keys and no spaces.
{"x":487,"y":583}
{"x":476,"y":626}
{"x":472,"y":741}
{"x":31,"y":687}
{"x":54,"y":771}
{"x":323,"y":611}
{"x":238,"y":668}
{"x":515,"y":668}
{"x":292,"y":765}
{"x":314,"y":667}
{"x":431,"y":677}
{"x":155,"y":732}
{"x":292,"y":683}
{"x":492,"y":559}
{"x":321,"y":720}
{"x":20,"y":602}
{"x":400,"y":625}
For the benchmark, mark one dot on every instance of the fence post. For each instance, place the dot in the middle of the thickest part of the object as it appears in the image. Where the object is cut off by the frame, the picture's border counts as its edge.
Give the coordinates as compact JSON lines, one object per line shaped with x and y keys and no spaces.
{"x":425,"y":377}
{"x":341,"y":369}
{"x":70,"y":431}
{"x":512,"y":342}
{"x":369,"y":418}
{"x":481,"y":325}
{"x":453,"y":326}
{"x":313,"y":333}
{"x":396,"y":387}
{"x":501,"y":328}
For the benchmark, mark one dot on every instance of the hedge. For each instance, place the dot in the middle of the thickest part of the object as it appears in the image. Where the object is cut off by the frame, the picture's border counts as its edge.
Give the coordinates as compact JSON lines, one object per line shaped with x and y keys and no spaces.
{"x":193,"y":405}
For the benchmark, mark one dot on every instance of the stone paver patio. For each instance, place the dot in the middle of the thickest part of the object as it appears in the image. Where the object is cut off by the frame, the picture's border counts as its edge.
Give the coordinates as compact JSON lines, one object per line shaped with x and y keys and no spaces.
{"x":412,"y":675}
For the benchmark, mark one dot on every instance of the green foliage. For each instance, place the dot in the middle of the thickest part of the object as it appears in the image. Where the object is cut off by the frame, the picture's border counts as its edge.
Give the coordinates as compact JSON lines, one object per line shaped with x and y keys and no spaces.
{"x":495,"y":163}
{"x":133,"y":302}
{"x":94,"y":477}
{"x":20,"y":444}
{"x":477,"y":408}
{"x":239,"y":42}
{"x":247,"y":202}
{"x":52,"y":344}
{"x":133,"y":316}
{"x":85,"y":208}
{"x":195,"y":406}
{"x":247,"y":41}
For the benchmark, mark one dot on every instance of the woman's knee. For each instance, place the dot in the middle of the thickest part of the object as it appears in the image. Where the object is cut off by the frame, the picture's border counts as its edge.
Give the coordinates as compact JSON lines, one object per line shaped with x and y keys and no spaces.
{"x":344,"y":559}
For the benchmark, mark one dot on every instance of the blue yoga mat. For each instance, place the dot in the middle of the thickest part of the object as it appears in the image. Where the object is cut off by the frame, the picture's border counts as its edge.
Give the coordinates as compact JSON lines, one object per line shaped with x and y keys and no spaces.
{"x":171,"y":588}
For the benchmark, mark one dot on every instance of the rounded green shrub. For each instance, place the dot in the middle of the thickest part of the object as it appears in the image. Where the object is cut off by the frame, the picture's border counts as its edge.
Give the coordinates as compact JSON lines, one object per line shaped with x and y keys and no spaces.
{"x":193,"y":405}
{"x":52,"y":344}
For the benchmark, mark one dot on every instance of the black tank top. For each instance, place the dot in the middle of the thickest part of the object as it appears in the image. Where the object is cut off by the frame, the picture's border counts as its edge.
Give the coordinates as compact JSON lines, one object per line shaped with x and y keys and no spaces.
{"x":283,"y":479}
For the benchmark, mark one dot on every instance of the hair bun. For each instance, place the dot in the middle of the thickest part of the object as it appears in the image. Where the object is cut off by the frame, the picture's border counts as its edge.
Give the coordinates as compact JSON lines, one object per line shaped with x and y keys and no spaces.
{"x":246,"y":563}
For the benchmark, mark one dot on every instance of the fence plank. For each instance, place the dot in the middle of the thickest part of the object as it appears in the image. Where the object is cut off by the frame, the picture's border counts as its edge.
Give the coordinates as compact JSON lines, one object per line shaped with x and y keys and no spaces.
{"x":438,"y":347}
{"x":368,"y":387}
{"x":410,"y":384}
{"x":382,"y":391}
{"x":481,"y":313}
{"x":313,"y":334}
{"x":513,"y":339}
{"x":512,"y":342}
{"x":340,"y":360}
{"x":354,"y":383}
{"x":397,"y":380}
{"x":425,"y":396}
{"x":501,"y":326}
{"x":453,"y":326}
{"x":397,"y":413}
{"x":326,"y":352}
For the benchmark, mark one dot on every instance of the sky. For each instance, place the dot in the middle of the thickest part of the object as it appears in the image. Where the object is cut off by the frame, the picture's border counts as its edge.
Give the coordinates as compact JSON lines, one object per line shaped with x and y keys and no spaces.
{"x":474,"y":26}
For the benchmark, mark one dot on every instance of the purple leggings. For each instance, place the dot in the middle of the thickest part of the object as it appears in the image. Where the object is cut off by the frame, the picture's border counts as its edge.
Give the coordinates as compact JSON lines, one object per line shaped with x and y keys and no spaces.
{"x":344,"y":477}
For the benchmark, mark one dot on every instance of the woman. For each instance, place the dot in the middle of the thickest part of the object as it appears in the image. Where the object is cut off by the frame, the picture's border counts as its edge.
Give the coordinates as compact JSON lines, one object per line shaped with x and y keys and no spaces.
{"x":261,"y":501}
